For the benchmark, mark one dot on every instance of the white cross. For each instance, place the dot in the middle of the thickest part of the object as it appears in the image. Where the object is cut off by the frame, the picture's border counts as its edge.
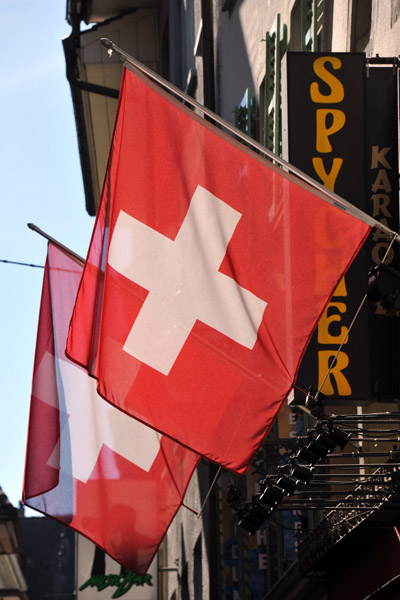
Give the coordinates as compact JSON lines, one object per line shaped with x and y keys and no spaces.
{"x":92,"y":422}
{"x":184,"y":282}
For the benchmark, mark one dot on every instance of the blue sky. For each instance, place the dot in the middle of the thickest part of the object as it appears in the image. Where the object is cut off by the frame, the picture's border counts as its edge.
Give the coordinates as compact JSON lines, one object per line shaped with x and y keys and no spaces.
{"x":41,"y":182}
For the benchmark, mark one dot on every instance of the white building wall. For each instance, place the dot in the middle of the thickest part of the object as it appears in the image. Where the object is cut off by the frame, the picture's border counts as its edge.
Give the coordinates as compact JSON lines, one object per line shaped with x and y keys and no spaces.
{"x":341,"y":26}
{"x":242,"y":48}
{"x":186,"y":545}
{"x":385,"y":28}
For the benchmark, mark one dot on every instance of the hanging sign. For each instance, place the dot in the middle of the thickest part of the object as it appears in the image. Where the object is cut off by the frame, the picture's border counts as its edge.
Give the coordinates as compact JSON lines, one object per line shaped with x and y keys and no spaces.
{"x":323,"y":120}
{"x":99,"y":577}
{"x":381,"y":149}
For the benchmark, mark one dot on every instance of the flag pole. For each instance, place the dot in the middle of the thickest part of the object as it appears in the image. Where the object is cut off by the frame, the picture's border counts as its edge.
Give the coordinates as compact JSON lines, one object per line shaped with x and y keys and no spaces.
{"x":56,"y":242}
{"x":209,"y":492}
{"x":329,"y":196}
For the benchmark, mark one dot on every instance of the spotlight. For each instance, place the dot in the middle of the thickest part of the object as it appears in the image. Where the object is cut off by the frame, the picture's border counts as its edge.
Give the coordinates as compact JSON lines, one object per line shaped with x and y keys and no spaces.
{"x":272,"y":494}
{"x":384,"y":286}
{"x":394,"y":455}
{"x":307,"y":455}
{"x":259,"y":508}
{"x":338,"y":436}
{"x":287,"y":483}
{"x":234,"y":497}
{"x":324,"y":439}
{"x":301,"y":472}
{"x":317,"y":448}
{"x":252,"y":515}
{"x":247,"y":520}
{"x":314,"y":402}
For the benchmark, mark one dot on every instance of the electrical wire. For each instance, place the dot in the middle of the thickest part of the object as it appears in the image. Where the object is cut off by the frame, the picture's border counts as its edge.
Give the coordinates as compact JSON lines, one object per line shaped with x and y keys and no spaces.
{"x":22,"y":264}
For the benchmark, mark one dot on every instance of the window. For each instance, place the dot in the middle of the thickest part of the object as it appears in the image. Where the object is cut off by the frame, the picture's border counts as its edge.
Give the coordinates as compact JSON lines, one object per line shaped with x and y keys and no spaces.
{"x":311,"y":26}
{"x":246,"y":114}
{"x":360,"y":24}
{"x":198,"y":571}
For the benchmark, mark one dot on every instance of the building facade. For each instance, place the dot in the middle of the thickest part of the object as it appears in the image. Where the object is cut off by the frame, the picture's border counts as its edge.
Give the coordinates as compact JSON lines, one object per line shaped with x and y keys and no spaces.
{"x":12,"y":581}
{"x":236,"y":57}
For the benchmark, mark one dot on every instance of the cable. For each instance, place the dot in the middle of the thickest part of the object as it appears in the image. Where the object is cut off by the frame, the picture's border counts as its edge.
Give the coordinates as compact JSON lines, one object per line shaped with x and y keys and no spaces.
{"x":308,"y":529}
{"x":22,"y":264}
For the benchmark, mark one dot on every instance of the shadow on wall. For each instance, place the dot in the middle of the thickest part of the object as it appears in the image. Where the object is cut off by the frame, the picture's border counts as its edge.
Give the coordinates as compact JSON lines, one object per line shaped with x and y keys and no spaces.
{"x":234,"y":71}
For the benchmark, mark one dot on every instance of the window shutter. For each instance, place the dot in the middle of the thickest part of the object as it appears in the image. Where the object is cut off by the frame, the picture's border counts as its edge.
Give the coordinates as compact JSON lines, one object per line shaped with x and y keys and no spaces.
{"x":246,"y":114}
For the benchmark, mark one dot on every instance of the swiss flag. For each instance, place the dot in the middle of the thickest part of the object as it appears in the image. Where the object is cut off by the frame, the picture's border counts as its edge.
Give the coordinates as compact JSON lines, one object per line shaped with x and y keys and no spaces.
{"x":88,"y":464}
{"x":202,"y":285}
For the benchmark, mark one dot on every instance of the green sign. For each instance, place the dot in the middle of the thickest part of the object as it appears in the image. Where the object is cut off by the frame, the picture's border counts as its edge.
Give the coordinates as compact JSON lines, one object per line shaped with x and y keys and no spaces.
{"x":122,"y":582}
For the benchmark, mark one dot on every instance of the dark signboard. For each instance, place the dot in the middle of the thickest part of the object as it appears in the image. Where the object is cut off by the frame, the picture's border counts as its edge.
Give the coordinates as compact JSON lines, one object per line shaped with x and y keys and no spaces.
{"x":340,"y":127}
{"x":381,"y":152}
{"x":325,"y":139}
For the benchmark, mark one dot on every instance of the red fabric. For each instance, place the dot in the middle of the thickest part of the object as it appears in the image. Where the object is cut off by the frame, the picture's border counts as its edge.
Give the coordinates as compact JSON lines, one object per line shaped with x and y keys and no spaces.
{"x":124,"y":506}
{"x":220,"y":397}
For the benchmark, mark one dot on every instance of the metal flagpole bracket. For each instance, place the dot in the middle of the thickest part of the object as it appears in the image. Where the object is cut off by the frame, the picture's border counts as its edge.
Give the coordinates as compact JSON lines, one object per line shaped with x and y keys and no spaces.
{"x":108,"y":44}
{"x":56,"y":242}
{"x":329,"y":196}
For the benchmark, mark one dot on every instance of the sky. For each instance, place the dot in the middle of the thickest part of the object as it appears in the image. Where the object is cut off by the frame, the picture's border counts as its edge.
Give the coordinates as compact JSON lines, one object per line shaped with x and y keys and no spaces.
{"x":40,"y":183}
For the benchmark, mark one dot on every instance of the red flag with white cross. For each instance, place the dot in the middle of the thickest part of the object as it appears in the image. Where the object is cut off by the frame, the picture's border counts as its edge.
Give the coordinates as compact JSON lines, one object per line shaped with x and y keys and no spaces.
{"x":88,"y":464}
{"x":201,"y":288}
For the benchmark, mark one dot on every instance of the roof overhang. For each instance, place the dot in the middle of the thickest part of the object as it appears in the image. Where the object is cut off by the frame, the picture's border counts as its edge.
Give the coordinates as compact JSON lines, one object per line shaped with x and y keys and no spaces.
{"x":98,"y":11}
{"x":95,"y":78}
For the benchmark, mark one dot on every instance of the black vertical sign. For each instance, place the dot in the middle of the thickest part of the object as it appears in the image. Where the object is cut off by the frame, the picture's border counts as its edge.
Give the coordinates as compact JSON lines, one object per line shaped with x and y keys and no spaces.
{"x":381,"y":153}
{"x":325,"y":139}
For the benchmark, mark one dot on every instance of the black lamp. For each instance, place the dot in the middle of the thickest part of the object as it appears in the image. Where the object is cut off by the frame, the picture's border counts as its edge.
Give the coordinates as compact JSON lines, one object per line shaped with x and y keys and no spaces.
{"x":287,"y":483}
{"x":338,"y":436}
{"x":247,"y":519}
{"x":252,"y":515}
{"x":307,"y":455}
{"x":301,"y":472}
{"x":234,"y":497}
{"x":315,"y":402}
{"x":317,"y":448}
{"x":324,"y":439}
{"x":384,"y":286}
{"x":259,"y":507}
{"x":272,"y":494}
